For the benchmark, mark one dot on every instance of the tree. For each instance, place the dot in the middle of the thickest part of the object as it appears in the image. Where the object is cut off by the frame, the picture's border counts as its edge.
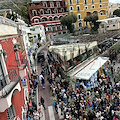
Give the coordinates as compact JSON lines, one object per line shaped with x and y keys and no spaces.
{"x":68,"y":21}
{"x":117,"y":12}
{"x":91,"y":19}
{"x":12,"y":16}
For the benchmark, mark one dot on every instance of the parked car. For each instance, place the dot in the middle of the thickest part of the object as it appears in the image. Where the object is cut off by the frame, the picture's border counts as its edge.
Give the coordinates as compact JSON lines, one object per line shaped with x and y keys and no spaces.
{"x":40,"y":57}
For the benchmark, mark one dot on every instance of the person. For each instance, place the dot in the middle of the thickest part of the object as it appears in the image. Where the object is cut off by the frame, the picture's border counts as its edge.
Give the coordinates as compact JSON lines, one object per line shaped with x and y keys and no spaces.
{"x":42,"y":102}
{"x":56,"y":107}
{"x":34,"y":105}
{"x":36,"y":115}
{"x":40,"y":78}
{"x":43,"y":82}
{"x":40,"y":111}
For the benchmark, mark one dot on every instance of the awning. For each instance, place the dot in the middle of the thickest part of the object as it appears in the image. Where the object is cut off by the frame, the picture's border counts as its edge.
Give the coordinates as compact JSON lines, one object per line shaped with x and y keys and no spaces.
{"x":87,"y":72}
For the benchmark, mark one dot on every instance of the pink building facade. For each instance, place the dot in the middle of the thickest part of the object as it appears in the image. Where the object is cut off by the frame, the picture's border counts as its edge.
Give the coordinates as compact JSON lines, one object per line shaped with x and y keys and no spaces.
{"x":48,"y":14}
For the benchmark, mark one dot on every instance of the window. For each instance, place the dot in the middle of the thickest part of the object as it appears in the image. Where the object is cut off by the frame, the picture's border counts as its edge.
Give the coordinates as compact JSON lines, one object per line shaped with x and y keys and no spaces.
{"x":36,"y":20}
{"x":100,"y":5}
{"x":58,"y":4}
{"x":56,"y":11}
{"x":77,"y":1}
{"x":62,"y":9}
{"x":11,"y":113}
{"x":2,"y":78}
{"x":49,"y":28}
{"x":44,"y":19}
{"x":102,"y":26}
{"x":52,"y":4}
{"x":101,"y":13}
{"x":85,"y":1}
{"x":58,"y":27}
{"x":54,"y":29}
{"x":50,"y":18}
{"x":63,"y":27}
{"x":93,"y":6}
{"x":49,"y":11}
{"x":71,"y":9}
{"x":33,"y":5}
{"x":92,"y":1}
{"x":70,"y":2}
{"x":55,"y":18}
{"x":80,"y":24}
{"x":33,"y":29}
{"x":113,"y":25}
{"x":107,"y":26}
{"x":42,"y":12}
{"x":45,"y":4}
{"x":100,"y":1}
{"x":86,"y":7}
{"x":34,"y":12}
{"x":78,"y":8}
{"x":79,"y":16}
{"x":59,"y":33}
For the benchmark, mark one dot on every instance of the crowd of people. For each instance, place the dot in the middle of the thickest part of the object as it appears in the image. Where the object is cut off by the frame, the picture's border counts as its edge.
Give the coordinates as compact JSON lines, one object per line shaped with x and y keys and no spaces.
{"x":34,"y":112}
{"x":99,"y":103}
{"x":80,"y":103}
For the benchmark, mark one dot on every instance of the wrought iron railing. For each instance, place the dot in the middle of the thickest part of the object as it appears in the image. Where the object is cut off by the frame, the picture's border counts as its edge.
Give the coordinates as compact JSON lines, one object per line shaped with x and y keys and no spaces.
{"x":13,"y":76}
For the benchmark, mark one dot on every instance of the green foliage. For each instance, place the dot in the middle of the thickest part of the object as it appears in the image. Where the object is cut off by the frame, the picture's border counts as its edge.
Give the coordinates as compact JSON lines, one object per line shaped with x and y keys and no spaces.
{"x":12,"y":16}
{"x":92,"y":20}
{"x":20,"y":7}
{"x":24,"y":13}
{"x":68,"y":20}
{"x":117,"y":12}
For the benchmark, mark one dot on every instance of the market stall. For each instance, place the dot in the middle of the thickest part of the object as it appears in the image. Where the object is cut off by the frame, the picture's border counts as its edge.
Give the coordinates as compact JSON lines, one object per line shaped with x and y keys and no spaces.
{"x":88,"y":75}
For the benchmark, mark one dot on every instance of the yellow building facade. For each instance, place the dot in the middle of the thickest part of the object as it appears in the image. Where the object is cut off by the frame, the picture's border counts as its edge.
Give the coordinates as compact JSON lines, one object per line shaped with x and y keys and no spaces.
{"x":82,"y":8}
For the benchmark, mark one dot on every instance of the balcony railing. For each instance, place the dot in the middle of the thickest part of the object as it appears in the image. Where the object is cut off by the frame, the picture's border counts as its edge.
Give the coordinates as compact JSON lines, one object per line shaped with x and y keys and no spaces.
{"x":7,"y":21}
{"x":14,"y":79}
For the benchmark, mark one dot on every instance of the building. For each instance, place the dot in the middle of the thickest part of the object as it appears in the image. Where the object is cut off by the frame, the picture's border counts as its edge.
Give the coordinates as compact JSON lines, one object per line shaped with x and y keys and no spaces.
{"x":14,"y":73}
{"x":82,"y":8}
{"x":113,"y":7}
{"x":109,"y":24}
{"x":37,"y":33}
{"x":48,"y":14}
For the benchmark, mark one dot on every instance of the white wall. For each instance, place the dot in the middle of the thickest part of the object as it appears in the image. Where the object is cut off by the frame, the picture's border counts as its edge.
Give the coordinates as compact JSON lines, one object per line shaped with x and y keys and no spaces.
{"x":7,"y":30}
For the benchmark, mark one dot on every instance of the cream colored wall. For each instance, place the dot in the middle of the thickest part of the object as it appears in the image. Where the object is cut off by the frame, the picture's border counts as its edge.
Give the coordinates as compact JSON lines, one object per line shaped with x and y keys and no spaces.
{"x":68,"y":49}
{"x":7,"y":30}
{"x":111,"y":27}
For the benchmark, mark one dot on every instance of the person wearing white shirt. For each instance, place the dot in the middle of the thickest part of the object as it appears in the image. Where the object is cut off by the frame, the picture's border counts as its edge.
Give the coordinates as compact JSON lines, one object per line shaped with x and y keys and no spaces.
{"x":40,"y":78}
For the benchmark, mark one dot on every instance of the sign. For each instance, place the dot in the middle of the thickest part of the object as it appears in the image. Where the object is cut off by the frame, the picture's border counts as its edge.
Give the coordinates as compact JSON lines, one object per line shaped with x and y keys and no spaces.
{"x":24,"y":82}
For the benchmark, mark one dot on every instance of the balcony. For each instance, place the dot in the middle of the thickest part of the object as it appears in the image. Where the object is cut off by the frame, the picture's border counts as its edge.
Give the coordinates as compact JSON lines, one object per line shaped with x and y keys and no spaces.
{"x":9,"y":90}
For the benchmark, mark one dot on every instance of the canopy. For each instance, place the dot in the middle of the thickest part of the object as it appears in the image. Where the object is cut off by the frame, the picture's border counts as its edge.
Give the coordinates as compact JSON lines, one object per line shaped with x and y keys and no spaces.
{"x":87,"y":72}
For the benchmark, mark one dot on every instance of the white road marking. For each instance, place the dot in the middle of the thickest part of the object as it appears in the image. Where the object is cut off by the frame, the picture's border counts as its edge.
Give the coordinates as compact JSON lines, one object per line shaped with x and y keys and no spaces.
{"x":51,"y":113}
{"x":59,"y":113}
{"x":43,"y":112}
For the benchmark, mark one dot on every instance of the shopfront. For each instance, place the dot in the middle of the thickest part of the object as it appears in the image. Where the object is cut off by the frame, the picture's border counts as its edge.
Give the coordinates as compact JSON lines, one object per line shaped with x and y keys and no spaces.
{"x":88,"y":76}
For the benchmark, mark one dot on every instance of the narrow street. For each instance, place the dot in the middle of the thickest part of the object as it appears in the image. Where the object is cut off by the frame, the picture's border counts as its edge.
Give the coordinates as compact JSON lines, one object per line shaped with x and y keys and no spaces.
{"x":49,"y":113}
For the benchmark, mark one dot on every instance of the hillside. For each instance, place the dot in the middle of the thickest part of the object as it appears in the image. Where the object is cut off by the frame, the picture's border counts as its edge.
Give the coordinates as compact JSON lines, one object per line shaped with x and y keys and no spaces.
{"x":18,"y":6}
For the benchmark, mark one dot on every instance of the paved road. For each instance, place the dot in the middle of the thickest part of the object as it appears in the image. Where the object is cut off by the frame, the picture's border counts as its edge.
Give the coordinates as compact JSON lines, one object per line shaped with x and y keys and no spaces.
{"x":49,"y":113}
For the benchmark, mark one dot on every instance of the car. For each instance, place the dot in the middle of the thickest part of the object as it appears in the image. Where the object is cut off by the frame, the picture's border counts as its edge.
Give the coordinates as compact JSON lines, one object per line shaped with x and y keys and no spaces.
{"x":40,"y":57}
